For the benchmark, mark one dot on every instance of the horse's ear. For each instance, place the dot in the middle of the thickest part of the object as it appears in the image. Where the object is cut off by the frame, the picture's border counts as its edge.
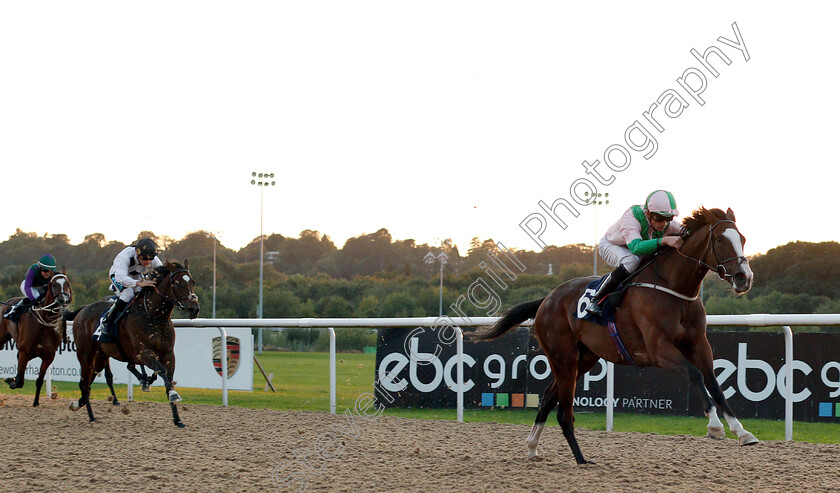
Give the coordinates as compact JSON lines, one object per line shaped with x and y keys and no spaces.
{"x":64,"y":270}
{"x":708,"y":215}
{"x":729,"y":214}
{"x":187,"y":264}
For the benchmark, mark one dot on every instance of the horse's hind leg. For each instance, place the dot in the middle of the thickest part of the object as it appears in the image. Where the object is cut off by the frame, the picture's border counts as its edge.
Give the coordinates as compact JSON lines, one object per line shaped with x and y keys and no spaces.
{"x":547,"y":403}
{"x":109,"y":379}
{"x":566,"y":375}
{"x":89,"y":372}
{"x":565,"y":415}
{"x":141,"y":376}
{"x":550,"y":400}
{"x":703,"y":361}
{"x":17,"y":381}
{"x":46,"y":361}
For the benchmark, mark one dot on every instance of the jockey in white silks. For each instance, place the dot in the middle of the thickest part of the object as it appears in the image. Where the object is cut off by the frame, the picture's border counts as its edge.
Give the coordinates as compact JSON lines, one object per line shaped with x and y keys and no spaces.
{"x":641,"y":230}
{"x":127,"y":277}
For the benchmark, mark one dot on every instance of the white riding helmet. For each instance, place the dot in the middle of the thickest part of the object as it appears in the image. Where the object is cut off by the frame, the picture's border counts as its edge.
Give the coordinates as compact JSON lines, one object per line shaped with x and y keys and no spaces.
{"x":662,"y":202}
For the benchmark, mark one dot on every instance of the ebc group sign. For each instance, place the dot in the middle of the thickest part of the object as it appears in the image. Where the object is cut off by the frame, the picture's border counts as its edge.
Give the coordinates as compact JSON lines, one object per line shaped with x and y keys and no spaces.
{"x":416,"y":370}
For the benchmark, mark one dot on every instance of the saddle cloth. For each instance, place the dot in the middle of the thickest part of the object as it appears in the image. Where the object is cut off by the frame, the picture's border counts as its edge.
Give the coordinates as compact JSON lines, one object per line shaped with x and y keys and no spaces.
{"x":609,"y":305}
{"x":608,"y":319}
{"x":98,"y":336}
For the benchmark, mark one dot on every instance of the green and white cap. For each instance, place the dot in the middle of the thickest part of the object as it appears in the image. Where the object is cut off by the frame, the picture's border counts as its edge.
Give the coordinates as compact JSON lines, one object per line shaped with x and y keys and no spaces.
{"x":47,"y":262}
{"x":662,"y":202}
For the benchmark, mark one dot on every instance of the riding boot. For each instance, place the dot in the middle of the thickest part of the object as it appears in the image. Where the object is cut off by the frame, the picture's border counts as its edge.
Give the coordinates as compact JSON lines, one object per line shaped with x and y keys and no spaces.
{"x":610,"y":283}
{"x":110,"y":319}
{"x":17,"y":310}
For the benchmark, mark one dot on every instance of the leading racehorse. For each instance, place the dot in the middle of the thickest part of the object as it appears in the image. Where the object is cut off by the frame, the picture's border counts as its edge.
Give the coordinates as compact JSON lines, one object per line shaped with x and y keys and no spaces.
{"x":661,"y":322}
{"x":145,"y":334}
{"x":38,"y":332}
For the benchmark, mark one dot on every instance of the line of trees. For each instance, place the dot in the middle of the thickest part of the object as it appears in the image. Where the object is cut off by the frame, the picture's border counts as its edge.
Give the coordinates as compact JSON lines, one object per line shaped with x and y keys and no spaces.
{"x":373,"y":275}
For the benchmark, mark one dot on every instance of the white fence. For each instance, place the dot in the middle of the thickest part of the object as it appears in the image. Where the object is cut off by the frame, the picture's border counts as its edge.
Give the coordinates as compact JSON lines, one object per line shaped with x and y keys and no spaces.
{"x":756,"y":320}
{"x":191,"y":352}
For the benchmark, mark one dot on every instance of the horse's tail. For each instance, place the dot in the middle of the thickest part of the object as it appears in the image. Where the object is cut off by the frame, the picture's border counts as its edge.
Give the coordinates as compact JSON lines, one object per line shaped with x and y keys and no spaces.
{"x":509,"y":320}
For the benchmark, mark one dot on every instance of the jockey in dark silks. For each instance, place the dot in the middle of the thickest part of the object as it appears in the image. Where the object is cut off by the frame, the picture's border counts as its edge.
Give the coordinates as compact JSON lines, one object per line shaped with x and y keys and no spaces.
{"x":33,"y":286}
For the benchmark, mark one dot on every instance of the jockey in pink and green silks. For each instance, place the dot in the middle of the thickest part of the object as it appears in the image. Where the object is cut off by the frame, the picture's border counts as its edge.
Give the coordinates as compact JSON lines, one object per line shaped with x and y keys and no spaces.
{"x":641,"y":230}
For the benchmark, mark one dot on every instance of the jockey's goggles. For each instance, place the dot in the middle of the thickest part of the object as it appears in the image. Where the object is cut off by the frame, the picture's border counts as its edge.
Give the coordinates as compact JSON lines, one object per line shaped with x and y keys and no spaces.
{"x":659,"y":217}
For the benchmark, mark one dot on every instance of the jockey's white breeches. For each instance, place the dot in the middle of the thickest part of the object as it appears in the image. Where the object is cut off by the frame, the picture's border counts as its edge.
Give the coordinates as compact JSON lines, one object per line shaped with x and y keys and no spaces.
{"x":616,"y":255}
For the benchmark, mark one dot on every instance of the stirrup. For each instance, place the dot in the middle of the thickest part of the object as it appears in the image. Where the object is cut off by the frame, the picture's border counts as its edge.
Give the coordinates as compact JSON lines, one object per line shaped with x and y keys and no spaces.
{"x":103,"y":328}
{"x":595,"y":308}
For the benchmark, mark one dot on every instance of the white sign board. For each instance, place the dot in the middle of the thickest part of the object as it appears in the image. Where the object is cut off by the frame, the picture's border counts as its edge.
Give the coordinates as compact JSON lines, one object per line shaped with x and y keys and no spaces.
{"x":194,"y":360}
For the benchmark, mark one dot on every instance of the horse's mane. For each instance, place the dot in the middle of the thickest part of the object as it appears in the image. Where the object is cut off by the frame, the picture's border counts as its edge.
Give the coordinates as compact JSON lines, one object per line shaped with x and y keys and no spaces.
{"x":701,"y":217}
{"x":167,"y":267}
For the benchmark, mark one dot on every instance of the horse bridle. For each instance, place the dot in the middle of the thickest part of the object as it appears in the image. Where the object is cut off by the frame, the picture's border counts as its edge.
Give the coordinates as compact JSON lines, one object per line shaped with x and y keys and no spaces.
{"x":721,"y":264}
{"x":62,"y":299}
{"x":177,"y":301}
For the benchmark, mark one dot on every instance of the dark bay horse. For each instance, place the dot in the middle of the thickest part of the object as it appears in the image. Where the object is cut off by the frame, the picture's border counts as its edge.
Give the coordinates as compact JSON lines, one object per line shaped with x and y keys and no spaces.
{"x":38,"y":332}
{"x":146,"y":335}
{"x":661,"y":322}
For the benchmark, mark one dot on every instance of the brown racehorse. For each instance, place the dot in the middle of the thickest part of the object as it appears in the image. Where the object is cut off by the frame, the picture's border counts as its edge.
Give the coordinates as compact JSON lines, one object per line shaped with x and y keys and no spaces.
{"x":38,"y":332}
{"x":145,"y":335}
{"x":661,"y":322}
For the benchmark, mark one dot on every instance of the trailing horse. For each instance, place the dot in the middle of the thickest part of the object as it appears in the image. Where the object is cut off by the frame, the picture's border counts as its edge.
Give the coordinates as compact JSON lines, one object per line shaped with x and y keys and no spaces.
{"x":661,"y":322}
{"x":145,"y":334}
{"x":38,"y":332}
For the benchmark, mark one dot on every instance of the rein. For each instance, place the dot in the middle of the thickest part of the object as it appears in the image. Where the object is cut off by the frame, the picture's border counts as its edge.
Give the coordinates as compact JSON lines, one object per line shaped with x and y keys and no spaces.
{"x":43,"y":314}
{"x":177,"y":301}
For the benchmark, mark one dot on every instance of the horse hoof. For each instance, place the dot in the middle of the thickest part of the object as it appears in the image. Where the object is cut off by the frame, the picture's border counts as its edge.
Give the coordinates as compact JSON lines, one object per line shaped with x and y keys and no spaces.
{"x":146,"y":388}
{"x":747,"y":439}
{"x":174,"y":397}
{"x":115,"y":402}
{"x":180,"y":425}
{"x":535,"y":458}
{"x":718,"y":433}
{"x":74,"y":406}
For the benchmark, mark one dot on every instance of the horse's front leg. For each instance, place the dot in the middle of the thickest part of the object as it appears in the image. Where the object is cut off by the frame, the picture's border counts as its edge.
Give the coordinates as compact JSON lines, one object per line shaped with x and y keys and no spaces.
{"x":46,"y":361}
{"x":671,"y":358}
{"x":703,"y":359}
{"x":165,"y":373}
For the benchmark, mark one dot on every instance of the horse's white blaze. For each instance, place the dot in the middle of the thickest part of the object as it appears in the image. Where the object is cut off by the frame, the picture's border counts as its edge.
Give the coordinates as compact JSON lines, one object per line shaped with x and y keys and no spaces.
{"x":186,"y":278}
{"x":732,"y":235}
{"x":534,"y":439}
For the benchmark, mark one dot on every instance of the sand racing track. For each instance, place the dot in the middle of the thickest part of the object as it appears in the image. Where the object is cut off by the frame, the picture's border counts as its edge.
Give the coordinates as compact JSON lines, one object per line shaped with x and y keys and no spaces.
{"x":134,"y":447}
